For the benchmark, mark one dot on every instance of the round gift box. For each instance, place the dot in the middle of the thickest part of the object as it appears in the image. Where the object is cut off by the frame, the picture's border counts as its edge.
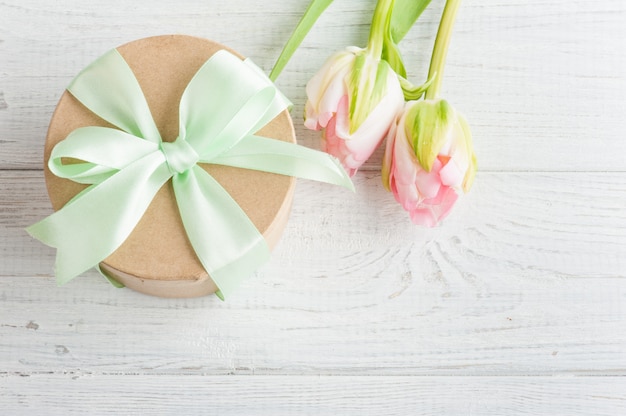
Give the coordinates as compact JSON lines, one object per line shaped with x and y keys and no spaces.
{"x":157,"y":258}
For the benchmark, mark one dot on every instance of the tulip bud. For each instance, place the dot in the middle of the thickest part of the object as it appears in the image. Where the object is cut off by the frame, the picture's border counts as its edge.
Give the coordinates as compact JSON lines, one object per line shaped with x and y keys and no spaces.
{"x":429,"y":160}
{"x":354,"y":98}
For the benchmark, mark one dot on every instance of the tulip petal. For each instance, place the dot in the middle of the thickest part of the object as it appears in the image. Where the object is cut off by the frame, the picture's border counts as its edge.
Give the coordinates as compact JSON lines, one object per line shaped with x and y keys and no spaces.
{"x":318,"y":84}
{"x":469,"y":176}
{"x":372,"y":132}
{"x":442,"y":204}
{"x":434,"y":210}
{"x":324,"y":118}
{"x":326,"y":87}
{"x":310,"y":117}
{"x":336,"y":146}
{"x":423,"y":216}
{"x":330,"y":141}
{"x":451,"y":174}
{"x":404,"y":171}
{"x":468,"y":180}
{"x":388,"y":156}
{"x":407,"y":195}
{"x":342,"y":122}
{"x":428,"y":183}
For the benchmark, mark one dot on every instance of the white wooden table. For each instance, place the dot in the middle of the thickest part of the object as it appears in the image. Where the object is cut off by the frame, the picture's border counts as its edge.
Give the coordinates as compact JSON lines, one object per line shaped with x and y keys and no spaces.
{"x":515,"y":305}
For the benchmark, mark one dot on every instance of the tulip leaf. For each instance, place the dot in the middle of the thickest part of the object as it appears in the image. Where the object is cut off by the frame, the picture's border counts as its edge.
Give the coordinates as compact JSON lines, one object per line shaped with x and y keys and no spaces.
{"x":390,"y":52}
{"x":412,"y":92}
{"x":403,"y":17}
{"x":312,"y":13}
{"x":405,"y":14}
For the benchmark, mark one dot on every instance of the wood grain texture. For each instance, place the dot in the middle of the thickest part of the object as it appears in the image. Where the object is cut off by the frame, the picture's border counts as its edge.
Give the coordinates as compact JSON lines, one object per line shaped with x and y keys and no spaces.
{"x":70,"y":394}
{"x":526,"y":278}
{"x":542,"y":85}
{"x":533,"y":225}
{"x":515,"y":305}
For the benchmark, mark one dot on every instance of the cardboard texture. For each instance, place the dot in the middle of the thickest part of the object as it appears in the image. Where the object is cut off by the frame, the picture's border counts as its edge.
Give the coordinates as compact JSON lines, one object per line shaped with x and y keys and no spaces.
{"x":157,"y":258}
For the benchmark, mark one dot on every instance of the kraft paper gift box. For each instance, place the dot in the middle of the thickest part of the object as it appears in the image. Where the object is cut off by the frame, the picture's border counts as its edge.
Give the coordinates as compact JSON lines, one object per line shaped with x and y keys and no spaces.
{"x":157,"y":257}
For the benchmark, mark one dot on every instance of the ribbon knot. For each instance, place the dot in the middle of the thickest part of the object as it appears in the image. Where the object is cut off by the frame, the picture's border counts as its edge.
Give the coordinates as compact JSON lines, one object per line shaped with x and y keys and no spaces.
{"x":224,"y":104}
{"x":179,"y":155}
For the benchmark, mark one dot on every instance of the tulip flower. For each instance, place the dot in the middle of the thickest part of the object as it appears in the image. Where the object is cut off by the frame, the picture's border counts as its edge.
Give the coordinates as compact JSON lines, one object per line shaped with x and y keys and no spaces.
{"x":429,"y":158}
{"x":355,"y":97}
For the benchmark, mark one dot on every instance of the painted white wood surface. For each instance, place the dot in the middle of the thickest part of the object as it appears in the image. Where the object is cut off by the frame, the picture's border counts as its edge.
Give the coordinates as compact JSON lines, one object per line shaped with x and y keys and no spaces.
{"x":314,"y":395}
{"x":542,"y":84}
{"x":516,"y":305}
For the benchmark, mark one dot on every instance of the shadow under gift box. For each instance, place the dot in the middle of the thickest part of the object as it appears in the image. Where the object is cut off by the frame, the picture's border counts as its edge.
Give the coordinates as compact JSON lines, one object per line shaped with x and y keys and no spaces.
{"x":157,"y":258}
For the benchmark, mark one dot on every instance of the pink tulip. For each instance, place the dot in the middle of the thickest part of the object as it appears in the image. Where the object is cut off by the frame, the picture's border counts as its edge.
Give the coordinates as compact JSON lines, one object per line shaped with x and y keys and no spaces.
{"x":429,"y":160}
{"x":354,"y":98}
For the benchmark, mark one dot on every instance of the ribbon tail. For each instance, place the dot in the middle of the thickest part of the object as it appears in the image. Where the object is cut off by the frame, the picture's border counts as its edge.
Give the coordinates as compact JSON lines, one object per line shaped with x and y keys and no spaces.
{"x":270,"y":155}
{"x":88,"y":229}
{"x":110,"y":279}
{"x":227,"y":243}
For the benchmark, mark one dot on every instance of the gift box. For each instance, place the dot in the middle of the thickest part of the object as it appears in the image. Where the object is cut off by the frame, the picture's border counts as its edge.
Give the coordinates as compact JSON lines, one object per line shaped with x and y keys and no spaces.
{"x":157,"y":257}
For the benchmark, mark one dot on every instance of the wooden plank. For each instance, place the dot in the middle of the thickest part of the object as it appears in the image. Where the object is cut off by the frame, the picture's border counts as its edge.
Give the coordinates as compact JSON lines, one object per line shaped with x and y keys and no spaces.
{"x":542,"y":85}
{"x":516,"y":305}
{"x":526,"y":278}
{"x":575,"y":327}
{"x":535,"y":226}
{"x":68,"y":394}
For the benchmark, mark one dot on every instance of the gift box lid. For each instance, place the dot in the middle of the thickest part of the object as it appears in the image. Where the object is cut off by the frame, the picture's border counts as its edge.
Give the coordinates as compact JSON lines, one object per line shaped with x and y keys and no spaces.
{"x":157,"y":257}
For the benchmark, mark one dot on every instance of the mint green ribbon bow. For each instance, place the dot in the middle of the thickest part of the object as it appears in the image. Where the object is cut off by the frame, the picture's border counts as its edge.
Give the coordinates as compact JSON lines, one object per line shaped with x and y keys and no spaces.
{"x":225,"y":103}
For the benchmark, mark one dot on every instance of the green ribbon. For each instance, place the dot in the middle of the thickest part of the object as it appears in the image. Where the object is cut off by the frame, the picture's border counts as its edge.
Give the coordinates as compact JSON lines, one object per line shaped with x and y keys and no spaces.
{"x":224,"y":104}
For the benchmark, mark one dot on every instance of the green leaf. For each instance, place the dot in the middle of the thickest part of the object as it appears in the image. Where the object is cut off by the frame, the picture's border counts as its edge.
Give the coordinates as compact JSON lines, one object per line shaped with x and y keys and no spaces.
{"x":391,"y":54}
{"x":405,"y":14}
{"x":312,"y":13}
{"x":403,"y":17}
{"x":412,"y":92}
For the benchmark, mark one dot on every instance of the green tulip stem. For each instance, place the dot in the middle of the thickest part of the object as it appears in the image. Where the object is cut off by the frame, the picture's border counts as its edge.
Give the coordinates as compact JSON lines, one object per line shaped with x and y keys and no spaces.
{"x":380,"y":26}
{"x":440,"y":49}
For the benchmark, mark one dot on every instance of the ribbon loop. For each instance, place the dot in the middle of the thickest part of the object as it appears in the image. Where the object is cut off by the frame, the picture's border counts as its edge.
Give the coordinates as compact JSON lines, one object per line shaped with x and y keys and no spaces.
{"x":224,"y":104}
{"x":179,"y":155}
